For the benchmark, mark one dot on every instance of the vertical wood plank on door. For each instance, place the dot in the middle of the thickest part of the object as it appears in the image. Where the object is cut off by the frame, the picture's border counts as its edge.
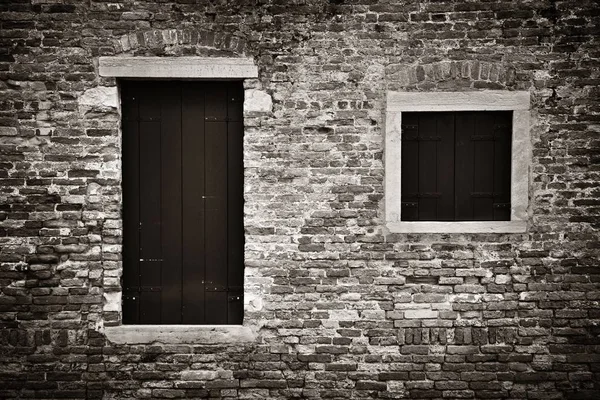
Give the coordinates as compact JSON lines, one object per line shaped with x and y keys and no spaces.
{"x":193,"y":158}
{"x":169,"y":96}
{"x":235,"y":196}
{"x":150,"y":207}
{"x":131,"y":212}
{"x":216,"y":204}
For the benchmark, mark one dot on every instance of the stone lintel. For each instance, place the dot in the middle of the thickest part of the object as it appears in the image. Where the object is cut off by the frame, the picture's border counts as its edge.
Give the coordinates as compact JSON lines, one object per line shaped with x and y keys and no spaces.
{"x":487,"y":100}
{"x":179,"y":334}
{"x":178,"y":67}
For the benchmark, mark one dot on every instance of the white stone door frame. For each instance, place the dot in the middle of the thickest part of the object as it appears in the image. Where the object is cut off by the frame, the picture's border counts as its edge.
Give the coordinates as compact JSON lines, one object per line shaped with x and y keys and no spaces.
{"x":255,"y":101}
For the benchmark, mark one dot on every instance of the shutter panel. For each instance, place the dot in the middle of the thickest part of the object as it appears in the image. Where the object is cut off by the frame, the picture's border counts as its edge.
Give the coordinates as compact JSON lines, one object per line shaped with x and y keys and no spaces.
{"x":464,"y":173}
{"x":502,"y":165}
{"x":428,"y":167}
{"x":192,"y":116}
{"x":410,"y":167}
{"x":483,"y":168}
{"x":445,"y":166}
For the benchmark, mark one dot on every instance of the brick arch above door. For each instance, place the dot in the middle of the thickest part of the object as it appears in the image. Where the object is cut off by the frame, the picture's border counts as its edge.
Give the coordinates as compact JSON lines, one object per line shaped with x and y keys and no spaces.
{"x":177,"y":42}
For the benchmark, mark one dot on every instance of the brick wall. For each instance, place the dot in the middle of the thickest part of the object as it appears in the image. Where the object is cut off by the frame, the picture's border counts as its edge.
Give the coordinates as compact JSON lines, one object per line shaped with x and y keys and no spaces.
{"x":345,"y":309}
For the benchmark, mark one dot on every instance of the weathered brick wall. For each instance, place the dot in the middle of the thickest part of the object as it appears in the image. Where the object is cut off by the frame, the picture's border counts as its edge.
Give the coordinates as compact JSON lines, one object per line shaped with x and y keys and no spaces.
{"x":346,"y":309}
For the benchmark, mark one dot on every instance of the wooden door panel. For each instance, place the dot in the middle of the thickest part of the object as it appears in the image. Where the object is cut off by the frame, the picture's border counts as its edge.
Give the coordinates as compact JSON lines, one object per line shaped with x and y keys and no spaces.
{"x":150,"y":307}
{"x":216,"y":313}
{"x":150,"y":175}
{"x":216,"y":101}
{"x":183,"y":202}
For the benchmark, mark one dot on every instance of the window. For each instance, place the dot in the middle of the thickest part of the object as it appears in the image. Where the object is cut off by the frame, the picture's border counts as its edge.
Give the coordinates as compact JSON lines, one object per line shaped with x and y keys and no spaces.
{"x":456,"y":166}
{"x":457,"y":162}
{"x":182,"y":202}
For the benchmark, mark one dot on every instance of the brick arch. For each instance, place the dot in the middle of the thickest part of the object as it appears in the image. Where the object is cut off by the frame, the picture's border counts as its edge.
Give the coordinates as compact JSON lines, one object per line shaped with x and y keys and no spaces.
{"x":451,"y":74}
{"x":181,"y":42}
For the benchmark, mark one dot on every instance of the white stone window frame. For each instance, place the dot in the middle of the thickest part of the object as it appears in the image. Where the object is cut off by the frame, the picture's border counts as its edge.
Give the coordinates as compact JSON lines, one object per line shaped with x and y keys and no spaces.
{"x":490,"y":100}
{"x":179,"y":68}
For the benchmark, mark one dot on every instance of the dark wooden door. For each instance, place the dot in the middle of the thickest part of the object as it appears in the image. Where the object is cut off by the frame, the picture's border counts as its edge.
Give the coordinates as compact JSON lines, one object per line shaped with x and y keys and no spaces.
{"x":182,"y":202}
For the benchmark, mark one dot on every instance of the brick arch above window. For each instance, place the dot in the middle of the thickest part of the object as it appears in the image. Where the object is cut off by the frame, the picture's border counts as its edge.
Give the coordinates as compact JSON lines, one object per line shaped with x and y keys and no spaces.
{"x":464,"y":74}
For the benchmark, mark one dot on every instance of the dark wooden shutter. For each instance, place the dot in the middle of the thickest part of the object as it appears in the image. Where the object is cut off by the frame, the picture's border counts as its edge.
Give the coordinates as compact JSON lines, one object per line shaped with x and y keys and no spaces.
{"x":465,"y":166}
{"x":182,"y":190}
{"x":502,"y":163}
{"x":427,"y":166}
{"x":445,"y":166}
{"x":410,"y":167}
{"x":483,"y":153}
{"x":456,"y":166}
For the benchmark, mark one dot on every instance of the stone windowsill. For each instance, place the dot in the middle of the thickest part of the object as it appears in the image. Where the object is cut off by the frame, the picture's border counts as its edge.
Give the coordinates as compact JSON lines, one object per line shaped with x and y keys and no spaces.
{"x":458,"y":227}
{"x":179,"y":334}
